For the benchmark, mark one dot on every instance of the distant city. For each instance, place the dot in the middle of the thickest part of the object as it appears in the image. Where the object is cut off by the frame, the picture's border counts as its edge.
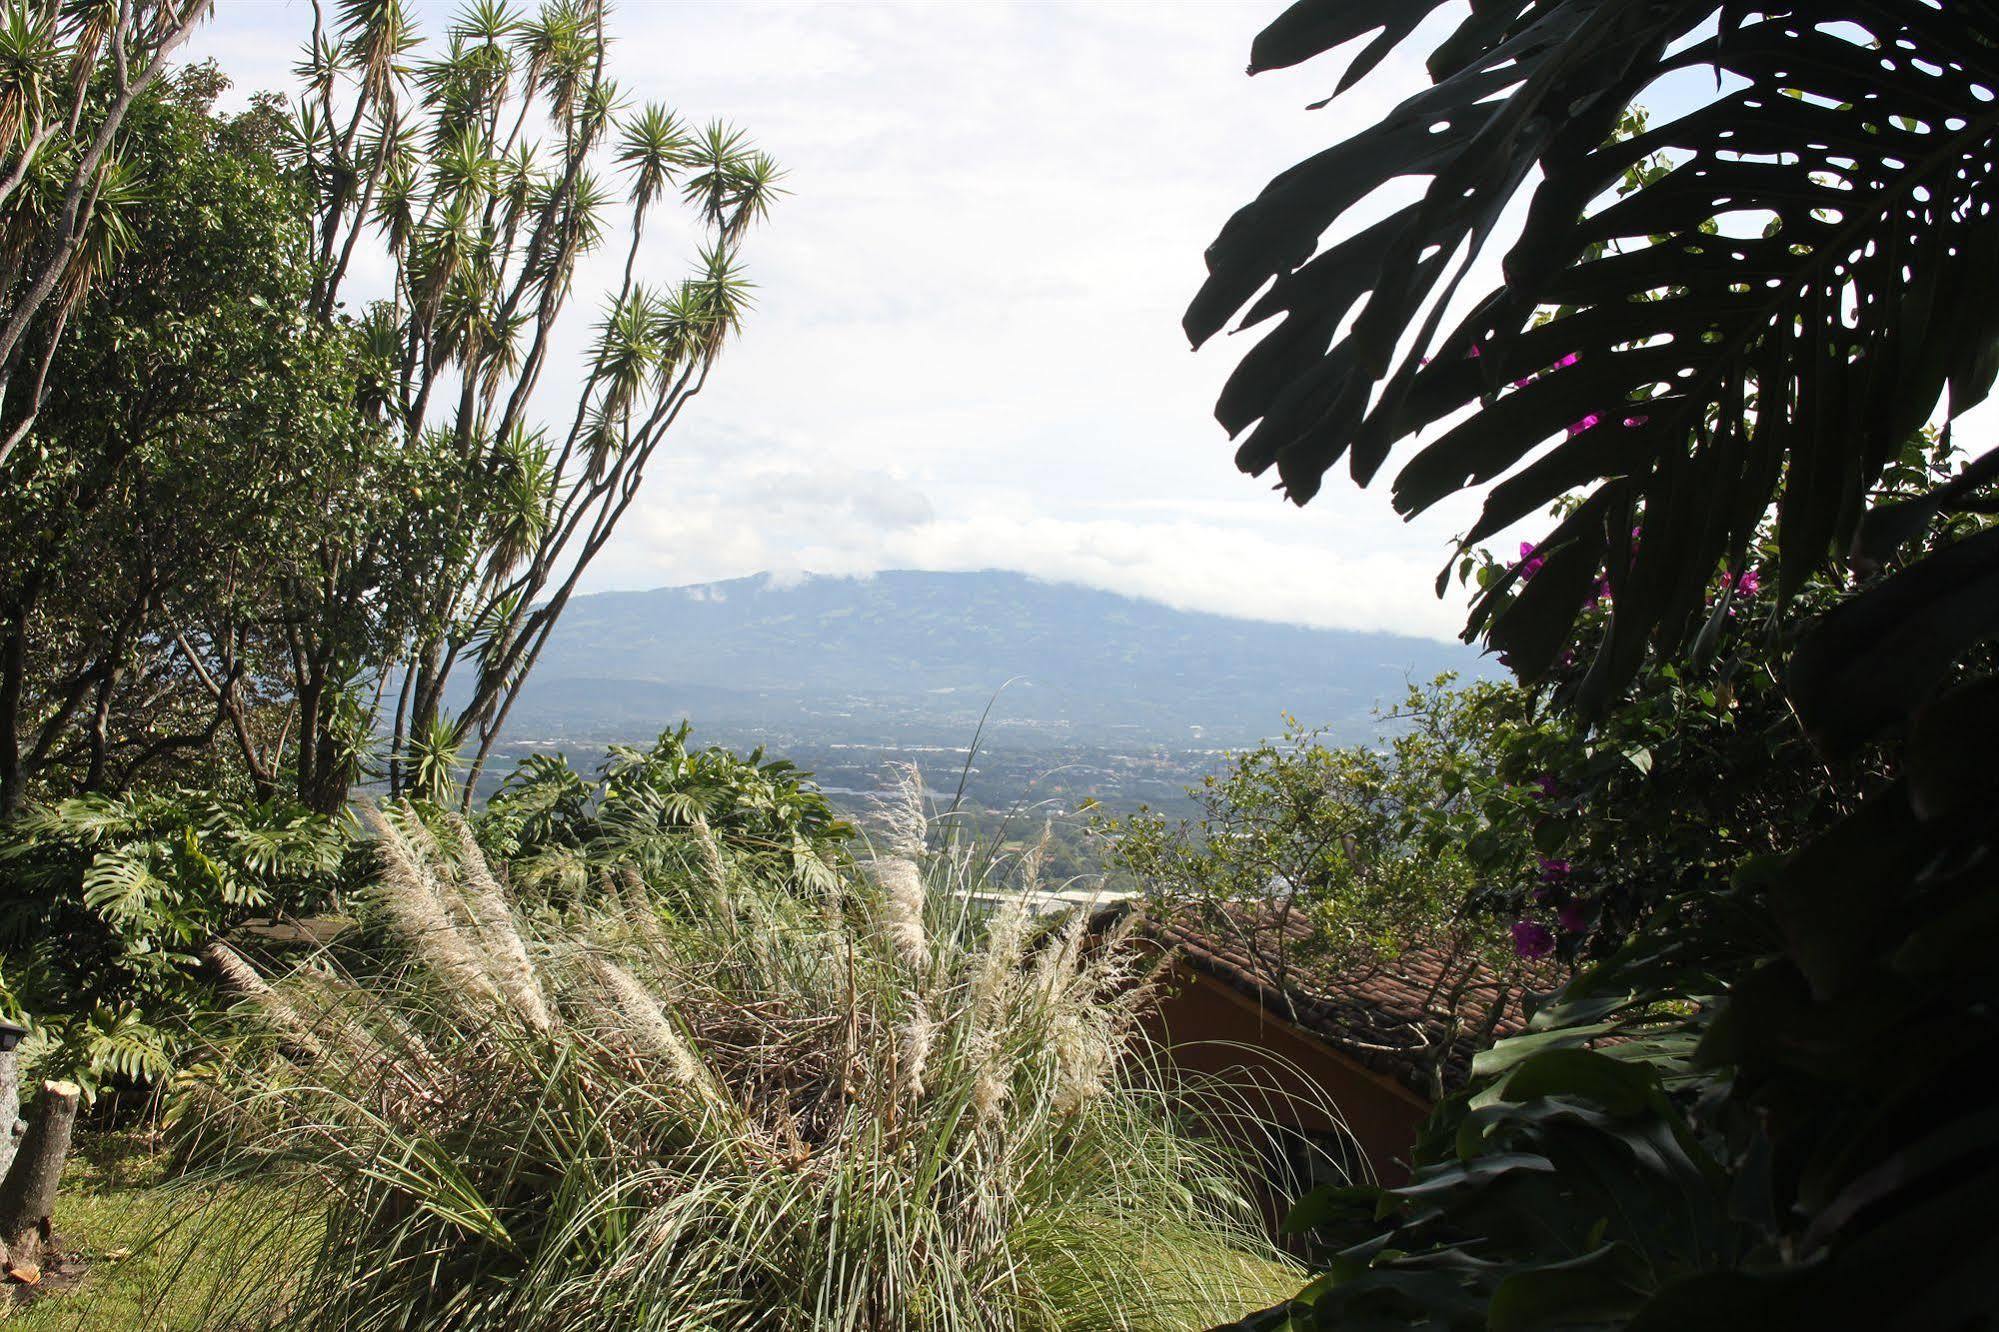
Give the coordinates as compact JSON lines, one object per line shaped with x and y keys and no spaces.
{"x":1076,"y":695}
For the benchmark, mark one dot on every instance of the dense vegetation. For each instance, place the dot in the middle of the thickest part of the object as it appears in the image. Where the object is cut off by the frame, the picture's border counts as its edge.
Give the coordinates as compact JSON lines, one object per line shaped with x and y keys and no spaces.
{"x":675,"y":1044}
{"x":694,"y":1096}
{"x":250,"y":525}
{"x":1765,"y":590}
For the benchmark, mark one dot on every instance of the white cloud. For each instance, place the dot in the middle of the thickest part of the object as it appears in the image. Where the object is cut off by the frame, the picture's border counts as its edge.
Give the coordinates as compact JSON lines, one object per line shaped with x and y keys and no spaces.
{"x":967,"y":350}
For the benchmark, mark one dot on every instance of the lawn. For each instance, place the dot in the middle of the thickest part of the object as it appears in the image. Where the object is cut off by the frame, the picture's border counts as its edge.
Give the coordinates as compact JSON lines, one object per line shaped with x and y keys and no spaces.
{"x":136,"y":1251}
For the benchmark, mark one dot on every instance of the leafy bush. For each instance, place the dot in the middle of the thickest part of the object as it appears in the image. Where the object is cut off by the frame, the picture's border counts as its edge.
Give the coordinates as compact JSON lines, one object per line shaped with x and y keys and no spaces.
{"x":1367,"y":847}
{"x":551,"y":826}
{"x":114,"y":897}
{"x":717,"y":1103}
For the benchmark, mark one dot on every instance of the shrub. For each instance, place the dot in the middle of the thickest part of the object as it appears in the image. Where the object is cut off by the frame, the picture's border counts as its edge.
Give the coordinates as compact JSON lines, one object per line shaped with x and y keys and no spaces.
{"x":704,"y":1099}
{"x":113,"y":898}
{"x":551,"y":826}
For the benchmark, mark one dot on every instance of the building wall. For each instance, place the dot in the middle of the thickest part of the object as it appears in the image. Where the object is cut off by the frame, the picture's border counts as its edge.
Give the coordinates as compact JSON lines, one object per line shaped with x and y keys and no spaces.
{"x":1292,"y":1078}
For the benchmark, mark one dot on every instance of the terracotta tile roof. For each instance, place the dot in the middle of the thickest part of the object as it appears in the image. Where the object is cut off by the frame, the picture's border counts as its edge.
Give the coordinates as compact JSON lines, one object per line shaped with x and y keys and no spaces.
{"x":1389,"y":1016}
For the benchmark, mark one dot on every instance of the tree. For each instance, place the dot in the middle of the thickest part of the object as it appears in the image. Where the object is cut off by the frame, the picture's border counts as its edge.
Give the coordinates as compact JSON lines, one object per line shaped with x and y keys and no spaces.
{"x":1312,"y":858}
{"x":196,"y":435}
{"x":476,"y":166}
{"x":1752,"y":1111}
{"x":69,"y":74}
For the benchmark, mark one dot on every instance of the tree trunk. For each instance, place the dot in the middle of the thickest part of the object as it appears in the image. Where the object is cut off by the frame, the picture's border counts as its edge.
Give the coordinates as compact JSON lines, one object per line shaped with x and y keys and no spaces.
{"x":13,"y":670}
{"x":28,"y":1194}
{"x":11,"y":1124}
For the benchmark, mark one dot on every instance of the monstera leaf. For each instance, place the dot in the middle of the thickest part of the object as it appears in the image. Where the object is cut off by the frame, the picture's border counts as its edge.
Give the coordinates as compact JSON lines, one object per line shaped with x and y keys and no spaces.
{"x":1767,"y":318}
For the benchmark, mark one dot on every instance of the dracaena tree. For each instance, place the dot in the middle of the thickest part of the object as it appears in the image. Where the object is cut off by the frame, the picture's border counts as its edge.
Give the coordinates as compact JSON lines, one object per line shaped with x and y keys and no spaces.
{"x":69,"y":73}
{"x":1753,"y":1111}
{"x":482,"y":168}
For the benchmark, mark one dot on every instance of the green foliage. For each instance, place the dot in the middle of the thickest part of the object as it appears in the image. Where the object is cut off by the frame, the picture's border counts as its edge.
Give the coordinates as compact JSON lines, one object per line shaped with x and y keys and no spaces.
{"x":113,"y":899}
{"x":1369,"y":842}
{"x":1751,"y":1110}
{"x":1699,"y":344}
{"x":696,"y":1098}
{"x":555,"y":829}
{"x":69,"y":74}
{"x":196,"y":443}
{"x":255,"y":521}
{"x":482,"y":161}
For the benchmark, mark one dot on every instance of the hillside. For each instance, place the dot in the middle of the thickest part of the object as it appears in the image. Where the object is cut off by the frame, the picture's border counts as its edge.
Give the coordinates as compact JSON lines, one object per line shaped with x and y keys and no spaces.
{"x":908,"y":657}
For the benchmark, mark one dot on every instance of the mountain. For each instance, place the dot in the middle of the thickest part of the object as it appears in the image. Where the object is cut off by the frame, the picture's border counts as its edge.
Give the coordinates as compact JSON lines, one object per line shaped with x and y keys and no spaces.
{"x":906,"y":657}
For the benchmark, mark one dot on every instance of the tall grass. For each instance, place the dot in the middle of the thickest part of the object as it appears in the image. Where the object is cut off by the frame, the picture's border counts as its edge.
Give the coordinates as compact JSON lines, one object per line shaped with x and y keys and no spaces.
{"x":697,"y":1101}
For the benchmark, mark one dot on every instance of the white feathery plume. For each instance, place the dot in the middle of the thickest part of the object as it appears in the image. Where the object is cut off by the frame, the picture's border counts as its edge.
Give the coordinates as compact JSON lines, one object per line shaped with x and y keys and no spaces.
{"x":919,"y":1032}
{"x":645,"y":1018}
{"x":711,"y":855}
{"x":506,"y":952}
{"x":407,"y":891}
{"x":902,"y":908}
{"x":898,"y":810}
{"x":240,"y":976}
{"x":1036,"y":857}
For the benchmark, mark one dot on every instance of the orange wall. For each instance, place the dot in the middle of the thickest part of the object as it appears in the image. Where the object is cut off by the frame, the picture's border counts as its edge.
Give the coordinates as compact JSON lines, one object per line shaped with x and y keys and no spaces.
{"x":1209,"y":1028}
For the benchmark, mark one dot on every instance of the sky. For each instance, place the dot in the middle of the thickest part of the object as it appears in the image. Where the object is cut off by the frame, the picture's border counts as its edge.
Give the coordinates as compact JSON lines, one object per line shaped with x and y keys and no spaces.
{"x":966,"y":352}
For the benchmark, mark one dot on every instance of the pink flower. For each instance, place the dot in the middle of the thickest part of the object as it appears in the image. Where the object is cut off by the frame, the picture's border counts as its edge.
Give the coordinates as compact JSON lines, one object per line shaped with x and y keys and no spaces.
{"x":1567,"y":361}
{"x":1553,"y":871}
{"x":1532,"y":939}
{"x":1530,"y":563}
{"x":1587,"y":423}
{"x":1633,"y":422}
{"x":1746,"y":584}
{"x":1573,"y":917}
{"x":1602,"y":593}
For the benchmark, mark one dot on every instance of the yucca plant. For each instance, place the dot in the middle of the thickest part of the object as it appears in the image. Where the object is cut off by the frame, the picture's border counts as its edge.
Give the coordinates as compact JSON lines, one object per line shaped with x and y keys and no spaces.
{"x":487,"y":165}
{"x":716,"y":1103}
{"x":69,"y":73}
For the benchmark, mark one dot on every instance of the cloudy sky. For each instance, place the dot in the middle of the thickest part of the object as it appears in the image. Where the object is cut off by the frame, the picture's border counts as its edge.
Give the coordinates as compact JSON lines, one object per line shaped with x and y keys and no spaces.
{"x":966,"y":351}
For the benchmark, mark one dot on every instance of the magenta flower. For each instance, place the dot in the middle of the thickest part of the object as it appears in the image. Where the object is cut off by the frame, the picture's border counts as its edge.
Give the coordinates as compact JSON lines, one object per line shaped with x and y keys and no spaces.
{"x":1573,"y":917}
{"x":1530,"y":563}
{"x":1633,"y":422}
{"x":1532,"y":939}
{"x":1748,"y":583}
{"x":1553,"y":871}
{"x":1548,"y":788}
{"x":1562,"y":364}
{"x":1587,"y":423}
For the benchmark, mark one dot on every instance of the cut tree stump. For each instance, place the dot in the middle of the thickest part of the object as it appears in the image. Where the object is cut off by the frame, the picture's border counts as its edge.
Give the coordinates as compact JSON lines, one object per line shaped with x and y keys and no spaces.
{"x":28,"y":1193}
{"x":11,"y":1124}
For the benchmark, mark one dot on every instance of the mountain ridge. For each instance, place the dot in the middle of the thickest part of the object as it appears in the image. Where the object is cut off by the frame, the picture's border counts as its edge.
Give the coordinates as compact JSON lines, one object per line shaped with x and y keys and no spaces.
{"x":900,"y":653}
